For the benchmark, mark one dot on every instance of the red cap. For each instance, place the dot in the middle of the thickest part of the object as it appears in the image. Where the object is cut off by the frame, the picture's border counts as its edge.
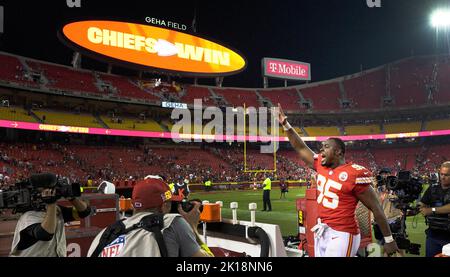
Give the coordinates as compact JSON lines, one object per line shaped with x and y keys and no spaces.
{"x":150,"y":193}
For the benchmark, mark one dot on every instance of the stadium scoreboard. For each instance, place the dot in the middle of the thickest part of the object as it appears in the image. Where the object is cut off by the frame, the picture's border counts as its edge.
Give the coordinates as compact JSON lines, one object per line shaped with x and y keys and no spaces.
{"x":149,"y":48}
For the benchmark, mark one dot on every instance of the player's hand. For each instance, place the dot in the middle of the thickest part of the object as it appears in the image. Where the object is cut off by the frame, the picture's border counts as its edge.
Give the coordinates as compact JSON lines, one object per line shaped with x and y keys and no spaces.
{"x":391,"y":248}
{"x":281,"y":116}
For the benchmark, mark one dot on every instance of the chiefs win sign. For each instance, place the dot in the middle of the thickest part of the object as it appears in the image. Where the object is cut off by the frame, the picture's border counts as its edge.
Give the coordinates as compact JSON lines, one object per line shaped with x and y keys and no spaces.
{"x":149,"y":47}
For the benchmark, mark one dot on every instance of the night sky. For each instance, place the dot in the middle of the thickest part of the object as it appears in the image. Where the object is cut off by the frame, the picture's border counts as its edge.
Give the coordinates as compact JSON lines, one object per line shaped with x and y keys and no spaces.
{"x":336,"y":36}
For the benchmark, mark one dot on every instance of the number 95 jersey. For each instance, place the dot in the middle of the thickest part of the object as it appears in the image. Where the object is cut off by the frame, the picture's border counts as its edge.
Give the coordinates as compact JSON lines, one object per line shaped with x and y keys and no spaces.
{"x":336,"y":193}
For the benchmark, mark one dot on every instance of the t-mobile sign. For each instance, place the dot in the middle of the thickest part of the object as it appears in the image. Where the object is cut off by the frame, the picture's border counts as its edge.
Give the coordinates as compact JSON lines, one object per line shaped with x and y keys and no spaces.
{"x":286,"y":69}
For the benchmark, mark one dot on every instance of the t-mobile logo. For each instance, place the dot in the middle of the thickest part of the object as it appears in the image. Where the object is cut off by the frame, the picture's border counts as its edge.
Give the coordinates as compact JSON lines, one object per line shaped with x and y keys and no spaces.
{"x":374,"y":3}
{"x":273,"y":67}
{"x":73,"y":3}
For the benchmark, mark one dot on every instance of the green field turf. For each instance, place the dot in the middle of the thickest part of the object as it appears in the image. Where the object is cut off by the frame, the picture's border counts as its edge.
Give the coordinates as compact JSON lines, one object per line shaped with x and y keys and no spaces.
{"x":284,"y":212}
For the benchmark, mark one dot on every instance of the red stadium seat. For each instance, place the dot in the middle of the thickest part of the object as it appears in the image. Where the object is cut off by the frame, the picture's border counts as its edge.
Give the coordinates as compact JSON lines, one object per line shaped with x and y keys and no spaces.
{"x":237,"y":97}
{"x":366,"y":91}
{"x":195,"y":92}
{"x":323,"y":97}
{"x":65,"y":78}
{"x":287,"y":97}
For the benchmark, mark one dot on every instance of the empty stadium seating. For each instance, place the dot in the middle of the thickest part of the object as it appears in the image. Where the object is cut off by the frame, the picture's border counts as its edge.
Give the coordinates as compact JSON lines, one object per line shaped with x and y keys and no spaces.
{"x":408,"y":81}
{"x":443,"y":94}
{"x":371,"y":129}
{"x":438,"y":125}
{"x":126,"y":88}
{"x":62,"y":77}
{"x":299,"y":131}
{"x":194,"y":92}
{"x":404,"y":127}
{"x":15,"y":114}
{"x":237,"y":97}
{"x":288,"y":98}
{"x":129,"y":123}
{"x":168,"y":123}
{"x":133,"y":124}
{"x":68,"y":119}
{"x":12,"y":70}
{"x":324,"y":97}
{"x":366,"y":91}
{"x":322,"y":131}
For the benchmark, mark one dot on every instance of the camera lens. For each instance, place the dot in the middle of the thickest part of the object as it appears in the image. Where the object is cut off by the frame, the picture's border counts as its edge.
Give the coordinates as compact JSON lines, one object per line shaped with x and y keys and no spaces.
{"x":186,"y":205}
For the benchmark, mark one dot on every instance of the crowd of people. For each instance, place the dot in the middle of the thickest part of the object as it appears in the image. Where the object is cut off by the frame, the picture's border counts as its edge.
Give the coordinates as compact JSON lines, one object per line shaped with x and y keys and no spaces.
{"x":218,"y":164}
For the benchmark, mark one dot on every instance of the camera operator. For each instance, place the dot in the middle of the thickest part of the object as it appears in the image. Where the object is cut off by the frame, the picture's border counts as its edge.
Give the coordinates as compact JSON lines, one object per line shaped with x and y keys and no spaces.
{"x":435,"y":206}
{"x":40,"y":232}
{"x":393,"y":214}
{"x":176,"y":234}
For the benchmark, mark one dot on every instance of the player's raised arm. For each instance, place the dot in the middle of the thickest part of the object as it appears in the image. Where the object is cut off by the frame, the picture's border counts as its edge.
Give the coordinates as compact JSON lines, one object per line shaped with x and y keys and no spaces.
{"x":306,"y":154}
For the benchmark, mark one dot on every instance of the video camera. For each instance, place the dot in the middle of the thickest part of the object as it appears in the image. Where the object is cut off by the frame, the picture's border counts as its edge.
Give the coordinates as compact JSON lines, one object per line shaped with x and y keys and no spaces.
{"x":26,"y":195}
{"x":406,"y":187}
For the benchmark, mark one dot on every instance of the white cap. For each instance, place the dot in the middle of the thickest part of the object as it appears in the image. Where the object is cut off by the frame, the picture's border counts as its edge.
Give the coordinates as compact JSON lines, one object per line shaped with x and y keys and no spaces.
{"x":220,"y":203}
{"x":151,"y":177}
{"x":205,"y":202}
{"x":233,"y":205}
{"x":252,"y":206}
{"x":446,"y":250}
{"x":107,"y":188}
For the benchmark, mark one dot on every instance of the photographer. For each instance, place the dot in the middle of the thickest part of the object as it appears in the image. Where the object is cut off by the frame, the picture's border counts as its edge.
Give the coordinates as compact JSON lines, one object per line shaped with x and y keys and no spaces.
{"x":153,"y":231}
{"x":386,"y":198}
{"x":435,"y":206}
{"x":40,"y":232}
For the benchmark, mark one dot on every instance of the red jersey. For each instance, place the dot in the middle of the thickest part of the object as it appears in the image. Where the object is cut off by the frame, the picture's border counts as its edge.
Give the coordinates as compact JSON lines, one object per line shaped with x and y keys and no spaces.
{"x":337,"y":189}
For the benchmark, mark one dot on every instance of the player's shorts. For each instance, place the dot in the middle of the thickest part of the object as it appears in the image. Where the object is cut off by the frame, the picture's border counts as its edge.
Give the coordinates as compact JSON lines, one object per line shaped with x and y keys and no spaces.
{"x":334,"y":243}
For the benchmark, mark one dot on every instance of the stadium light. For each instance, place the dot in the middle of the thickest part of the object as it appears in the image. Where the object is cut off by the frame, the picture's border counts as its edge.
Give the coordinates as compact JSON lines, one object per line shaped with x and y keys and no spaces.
{"x":440,"y":18}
